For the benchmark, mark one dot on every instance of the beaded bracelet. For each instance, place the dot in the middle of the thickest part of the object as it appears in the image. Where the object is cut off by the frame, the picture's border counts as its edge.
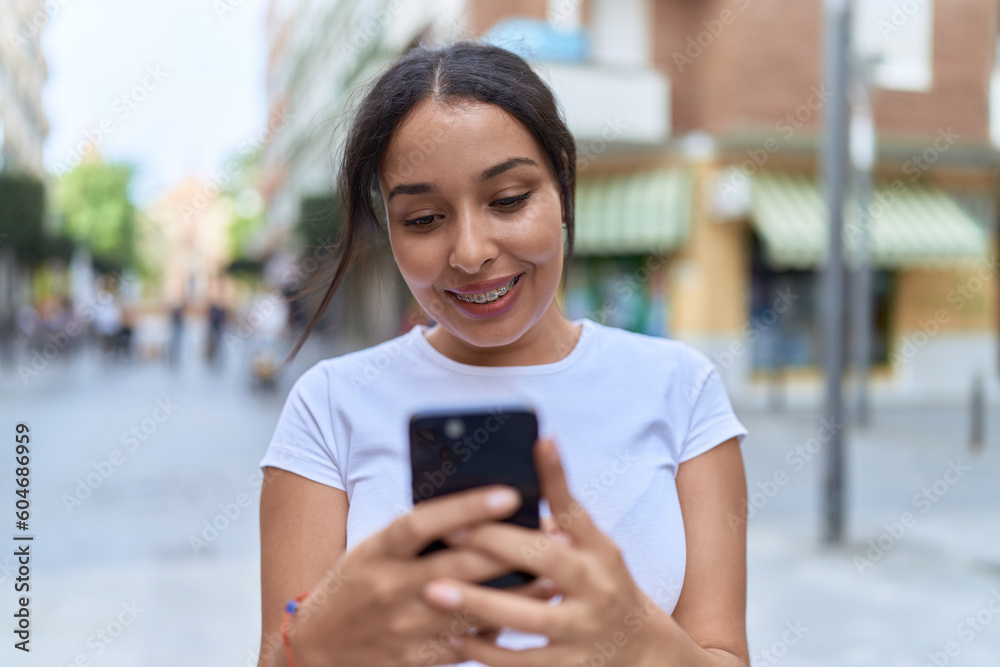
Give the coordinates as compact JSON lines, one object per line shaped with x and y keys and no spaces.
{"x":290,"y":609}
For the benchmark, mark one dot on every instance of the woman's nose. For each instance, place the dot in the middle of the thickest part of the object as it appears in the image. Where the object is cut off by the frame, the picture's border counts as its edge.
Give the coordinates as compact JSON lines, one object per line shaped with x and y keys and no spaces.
{"x":472,"y":242}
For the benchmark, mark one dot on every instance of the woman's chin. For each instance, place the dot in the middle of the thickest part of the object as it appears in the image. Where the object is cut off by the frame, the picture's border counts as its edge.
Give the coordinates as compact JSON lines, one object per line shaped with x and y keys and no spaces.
{"x":484,"y":332}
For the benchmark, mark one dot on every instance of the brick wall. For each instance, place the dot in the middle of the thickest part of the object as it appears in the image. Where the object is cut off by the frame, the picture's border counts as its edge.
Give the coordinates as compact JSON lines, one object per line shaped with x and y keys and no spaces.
{"x":757,"y":60}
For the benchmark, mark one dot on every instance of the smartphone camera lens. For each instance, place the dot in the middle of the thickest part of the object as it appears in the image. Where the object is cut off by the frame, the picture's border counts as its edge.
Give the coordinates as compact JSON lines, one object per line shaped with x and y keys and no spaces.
{"x":454,"y":428}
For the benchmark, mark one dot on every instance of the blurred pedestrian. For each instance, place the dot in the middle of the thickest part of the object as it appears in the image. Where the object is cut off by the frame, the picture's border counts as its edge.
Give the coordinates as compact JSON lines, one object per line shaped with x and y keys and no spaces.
{"x":27,"y":321}
{"x":269,"y":340}
{"x":216,"y":322}
{"x":125,"y":335}
{"x":176,"y":335}
{"x":107,"y":325}
{"x":7,"y":333}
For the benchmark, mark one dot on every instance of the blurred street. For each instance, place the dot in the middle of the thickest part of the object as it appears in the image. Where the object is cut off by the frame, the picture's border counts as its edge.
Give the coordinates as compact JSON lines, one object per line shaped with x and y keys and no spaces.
{"x":115,"y":575}
{"x":120,"y":577}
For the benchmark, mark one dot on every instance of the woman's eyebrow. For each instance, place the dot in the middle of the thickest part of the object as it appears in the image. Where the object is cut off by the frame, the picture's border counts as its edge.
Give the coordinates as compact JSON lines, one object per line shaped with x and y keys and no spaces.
{"x":498,"y":169}
{"x":495,"y":170}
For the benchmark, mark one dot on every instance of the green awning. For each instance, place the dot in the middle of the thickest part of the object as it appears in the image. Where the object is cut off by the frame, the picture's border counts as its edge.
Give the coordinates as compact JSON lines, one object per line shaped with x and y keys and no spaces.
{"x":912,"y":224}
{"x":645,"y":212}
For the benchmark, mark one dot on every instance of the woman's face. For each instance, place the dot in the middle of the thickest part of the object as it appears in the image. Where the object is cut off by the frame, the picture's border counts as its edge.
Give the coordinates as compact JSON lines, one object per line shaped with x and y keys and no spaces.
{"x":473,"y":206}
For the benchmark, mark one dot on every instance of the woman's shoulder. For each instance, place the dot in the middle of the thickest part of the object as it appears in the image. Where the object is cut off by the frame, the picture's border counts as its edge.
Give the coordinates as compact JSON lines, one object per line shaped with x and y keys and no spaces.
{"x":654,"y":351}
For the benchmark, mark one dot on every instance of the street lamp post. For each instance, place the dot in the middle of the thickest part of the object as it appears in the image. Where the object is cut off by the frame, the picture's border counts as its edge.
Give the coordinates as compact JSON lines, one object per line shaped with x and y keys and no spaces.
{"x":834,"y":155}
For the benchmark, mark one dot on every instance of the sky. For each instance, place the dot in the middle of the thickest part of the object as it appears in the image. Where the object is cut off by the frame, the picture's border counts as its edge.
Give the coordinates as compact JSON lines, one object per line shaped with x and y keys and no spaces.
{"x":172,"y":87}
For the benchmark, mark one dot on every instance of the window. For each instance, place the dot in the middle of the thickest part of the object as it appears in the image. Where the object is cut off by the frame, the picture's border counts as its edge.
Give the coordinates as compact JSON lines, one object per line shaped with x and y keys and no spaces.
{"x":793,"y":336}
{"x":565,"y":14}
{"x":619,"y":32}
{"x":900,"y":35}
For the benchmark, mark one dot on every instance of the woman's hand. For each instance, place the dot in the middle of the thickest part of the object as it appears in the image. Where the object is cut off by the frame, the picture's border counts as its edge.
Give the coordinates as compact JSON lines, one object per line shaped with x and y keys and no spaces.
{"x":603,"y":618}
{"x":369,"y":611}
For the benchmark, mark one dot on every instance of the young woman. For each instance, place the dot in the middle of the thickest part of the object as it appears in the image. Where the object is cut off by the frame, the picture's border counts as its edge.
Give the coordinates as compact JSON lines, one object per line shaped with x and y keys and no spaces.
{"x":461,"y":157}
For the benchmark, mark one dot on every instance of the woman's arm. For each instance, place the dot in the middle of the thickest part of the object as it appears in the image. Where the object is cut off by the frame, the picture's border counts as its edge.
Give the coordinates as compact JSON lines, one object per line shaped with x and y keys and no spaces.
{"x":712,"y":606}
{"x":365,"y":605}
{"x":303,"y":532}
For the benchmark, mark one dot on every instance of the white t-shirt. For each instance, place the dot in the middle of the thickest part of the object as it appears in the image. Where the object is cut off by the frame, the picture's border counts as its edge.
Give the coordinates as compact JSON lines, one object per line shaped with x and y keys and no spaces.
{"x":625,"y":410}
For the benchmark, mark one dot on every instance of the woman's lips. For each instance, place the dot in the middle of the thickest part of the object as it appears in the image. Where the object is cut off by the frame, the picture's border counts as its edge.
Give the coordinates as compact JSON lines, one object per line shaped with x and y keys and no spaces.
{"x":483,"y":285}
{"x":493,"y":308}
{"x":488,"y":296}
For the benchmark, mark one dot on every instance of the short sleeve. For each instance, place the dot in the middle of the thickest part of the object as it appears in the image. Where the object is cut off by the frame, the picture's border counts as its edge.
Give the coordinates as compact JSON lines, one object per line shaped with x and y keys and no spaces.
{"x":712,"y":418}
{"x":303,"y":438}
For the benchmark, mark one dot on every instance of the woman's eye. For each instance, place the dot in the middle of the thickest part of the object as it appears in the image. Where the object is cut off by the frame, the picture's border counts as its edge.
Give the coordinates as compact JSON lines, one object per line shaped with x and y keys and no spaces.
{"x":507,"y":203}
{"x":422,"y":221}
{"x":511,"y":202}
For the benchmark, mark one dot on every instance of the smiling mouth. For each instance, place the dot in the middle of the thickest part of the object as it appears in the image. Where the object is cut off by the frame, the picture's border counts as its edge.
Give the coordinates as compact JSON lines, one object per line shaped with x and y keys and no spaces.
{"x":490,"y":296}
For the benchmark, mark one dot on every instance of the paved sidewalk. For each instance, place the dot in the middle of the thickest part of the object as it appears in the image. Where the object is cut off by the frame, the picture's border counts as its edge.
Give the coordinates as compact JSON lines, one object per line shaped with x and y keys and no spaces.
{"x":920,"y":565}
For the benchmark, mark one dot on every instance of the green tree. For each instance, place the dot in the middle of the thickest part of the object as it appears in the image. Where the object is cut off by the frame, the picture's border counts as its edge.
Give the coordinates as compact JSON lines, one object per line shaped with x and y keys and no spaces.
{"x":94,"y":207}
{"x":22,"y":209}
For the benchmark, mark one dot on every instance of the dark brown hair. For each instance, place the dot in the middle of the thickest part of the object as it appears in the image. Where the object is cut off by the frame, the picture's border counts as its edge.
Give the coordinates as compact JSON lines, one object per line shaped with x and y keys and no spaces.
{"x":464,"y":71}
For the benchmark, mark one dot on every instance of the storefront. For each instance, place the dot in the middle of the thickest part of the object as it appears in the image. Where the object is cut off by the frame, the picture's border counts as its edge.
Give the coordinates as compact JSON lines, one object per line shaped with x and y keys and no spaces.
{"x":916,"y":233}
{"x":627,"y":225}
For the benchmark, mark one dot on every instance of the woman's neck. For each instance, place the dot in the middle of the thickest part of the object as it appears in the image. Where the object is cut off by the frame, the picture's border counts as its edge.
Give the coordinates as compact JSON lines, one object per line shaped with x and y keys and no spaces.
{"x":550,"y":339}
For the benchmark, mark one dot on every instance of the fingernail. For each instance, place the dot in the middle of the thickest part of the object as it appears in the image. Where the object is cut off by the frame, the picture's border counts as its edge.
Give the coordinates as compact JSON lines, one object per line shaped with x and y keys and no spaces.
{"x":549,"y":452}
{"x":445,"y":595}
{"x":502,"y":499}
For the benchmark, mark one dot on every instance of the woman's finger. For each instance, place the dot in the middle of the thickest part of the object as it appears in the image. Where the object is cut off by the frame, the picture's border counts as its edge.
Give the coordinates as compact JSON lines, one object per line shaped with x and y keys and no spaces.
{"x":529,"y":550}
{"x":474,"y":566}
{"x":567,"y":513}
{"x":434,"y":518}
{"x":497,"y":607}
{"x":470,"y":565}
{"x":541,"y":588}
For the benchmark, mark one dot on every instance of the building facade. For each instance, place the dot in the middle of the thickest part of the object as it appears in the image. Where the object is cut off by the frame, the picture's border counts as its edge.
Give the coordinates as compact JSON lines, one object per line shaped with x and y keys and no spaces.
{"x":700,"y":213}
{"x":930,"y":221}
{"x":23,"y":126}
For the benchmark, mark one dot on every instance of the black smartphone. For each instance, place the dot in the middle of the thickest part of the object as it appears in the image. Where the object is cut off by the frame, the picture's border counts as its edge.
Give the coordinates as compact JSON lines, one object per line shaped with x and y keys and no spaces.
{"x":455,"y":450}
